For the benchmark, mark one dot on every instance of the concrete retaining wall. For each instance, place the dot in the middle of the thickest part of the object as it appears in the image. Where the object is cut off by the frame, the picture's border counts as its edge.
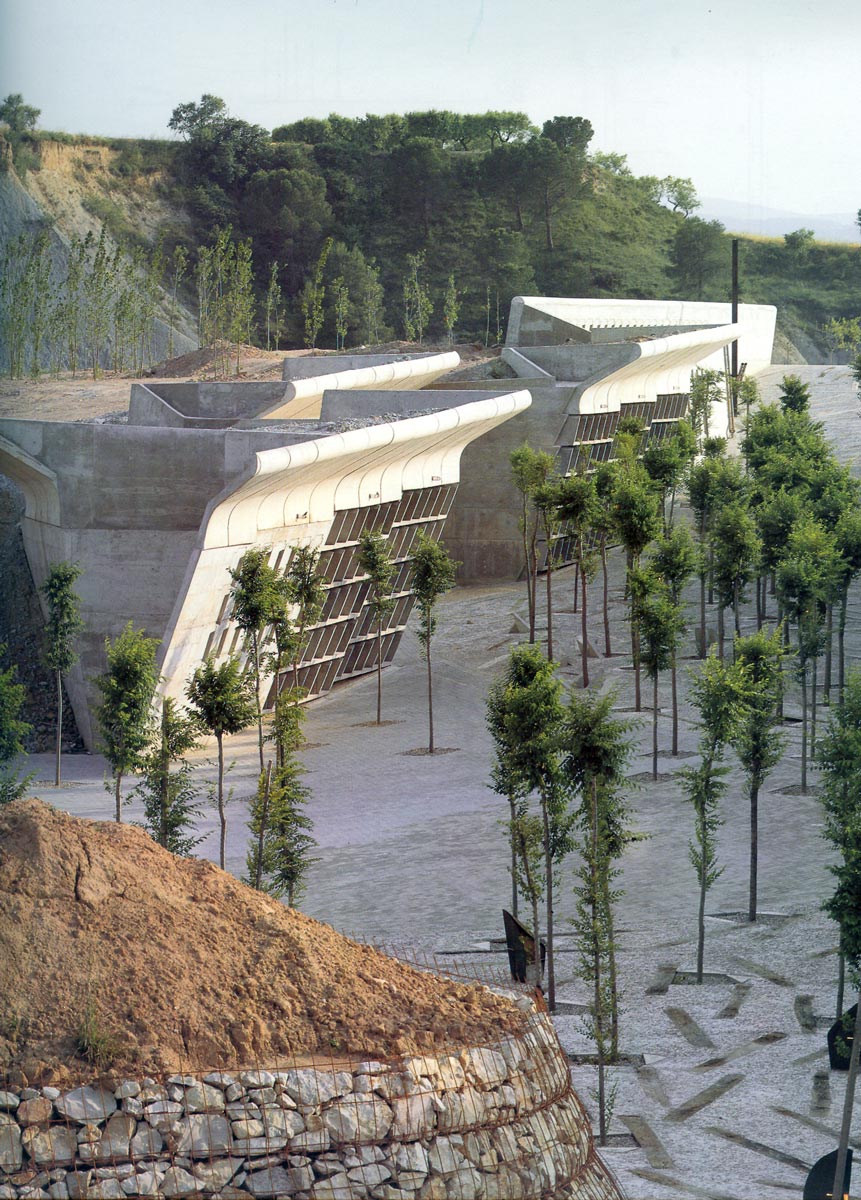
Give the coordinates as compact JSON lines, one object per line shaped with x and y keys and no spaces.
{"x":487,"y":1123}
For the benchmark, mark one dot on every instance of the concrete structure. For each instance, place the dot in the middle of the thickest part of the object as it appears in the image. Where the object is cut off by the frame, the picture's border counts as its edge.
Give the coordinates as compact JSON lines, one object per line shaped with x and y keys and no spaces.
{"x":587,"y":364}
{"x":158,"y":510}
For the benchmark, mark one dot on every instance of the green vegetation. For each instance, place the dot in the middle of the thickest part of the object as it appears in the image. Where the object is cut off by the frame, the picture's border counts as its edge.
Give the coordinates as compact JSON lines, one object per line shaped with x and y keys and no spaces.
{"x":63,"y":624}
{"x":125,"y":714}
{"x":12,"y":732}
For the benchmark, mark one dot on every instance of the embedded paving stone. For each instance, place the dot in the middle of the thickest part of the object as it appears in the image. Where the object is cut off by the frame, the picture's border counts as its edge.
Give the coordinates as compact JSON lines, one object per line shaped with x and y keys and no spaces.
{"x":685,"y":1025}
{"x":739,"y":1139}
{"x":85,"y":1104}
{"x":821,"y":1099}
{"x":819,"y":1126}
{"x":704,"y":1098}
{"x":764,"y":1039}
{"x":803,"y":1009}
{"x":34,"y":1112}
{"x":648,"y":1140}
{"x":651,"y":1083}
{"x":763,"y":972}
{"x":737,"y":998}
{"x":662,"y":979}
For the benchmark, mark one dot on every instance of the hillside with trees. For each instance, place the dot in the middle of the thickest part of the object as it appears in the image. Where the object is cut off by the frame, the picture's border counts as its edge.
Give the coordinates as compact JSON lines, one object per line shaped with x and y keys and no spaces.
{"x":344,"y":231}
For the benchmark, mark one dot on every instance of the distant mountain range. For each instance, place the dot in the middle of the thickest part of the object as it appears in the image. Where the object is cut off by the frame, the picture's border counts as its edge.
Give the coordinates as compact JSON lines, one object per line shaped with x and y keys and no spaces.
{"x":773,"y":222}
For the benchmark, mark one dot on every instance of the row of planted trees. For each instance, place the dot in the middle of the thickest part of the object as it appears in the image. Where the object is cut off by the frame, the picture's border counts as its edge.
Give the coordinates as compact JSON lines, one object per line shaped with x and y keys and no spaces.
{"x":779,"y":530}
{"x":276,"y":612}
{"x":101,"y":309}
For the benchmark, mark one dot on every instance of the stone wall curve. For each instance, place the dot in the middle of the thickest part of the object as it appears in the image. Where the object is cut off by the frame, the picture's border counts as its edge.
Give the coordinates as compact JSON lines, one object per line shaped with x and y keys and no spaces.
{"x":496,"y":1122}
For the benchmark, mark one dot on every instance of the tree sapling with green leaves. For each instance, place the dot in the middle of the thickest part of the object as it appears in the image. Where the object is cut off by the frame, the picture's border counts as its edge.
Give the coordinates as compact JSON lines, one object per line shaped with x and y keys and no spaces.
{"x":125,"y":715}
{"x":222,"y":699}
{"x":13,"y":729}
{"x":257,"y":601}
{"x":63,"y":625}
{"x":169,"y":796}
{"x":431,"y":576}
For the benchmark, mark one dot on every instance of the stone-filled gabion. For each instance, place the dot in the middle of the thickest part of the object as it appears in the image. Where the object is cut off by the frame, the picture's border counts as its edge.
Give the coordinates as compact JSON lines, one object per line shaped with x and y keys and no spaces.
{"x":488,"y":1123}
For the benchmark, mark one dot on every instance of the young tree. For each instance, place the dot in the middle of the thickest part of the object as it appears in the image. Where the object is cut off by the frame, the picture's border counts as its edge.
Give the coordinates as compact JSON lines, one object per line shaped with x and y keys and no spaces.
{"x":705,"y":393}
{"x":546,"y":500}
{"x":222,"y":701}
{"x":674,"y":560}
{"x":660,"y":624}
{"x":637,"y":522}
{"x":256,"y":598}
{"x":530,"y":469}
{"x":64,"y":623}
{"x":313,"y":295}
{"x":596,"y":752}
{"x":450,"y":308}
{"x":794,"y":395}
{"x":170,"y":796}
{"x":375,"y":561}
{"x":525,"y":716}
{"x":847,"y":536}
{"x":737,"y":551}
{"x":125,"y":714}
{"x":758,"y":746}
{"x":13,"y":729}
{"x":717,"y":693}
{"x":432,"y":575}
{"x":418,"y":305}
{"x":579,"y":507}
{"x":806,"y":579}
{"x":840,"y":763}
{"x":20,"y":117}
{"x":279,"y":852}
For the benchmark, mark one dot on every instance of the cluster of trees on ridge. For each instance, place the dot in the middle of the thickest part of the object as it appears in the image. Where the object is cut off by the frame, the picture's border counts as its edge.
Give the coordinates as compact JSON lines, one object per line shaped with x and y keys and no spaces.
{"x":329,"y":215}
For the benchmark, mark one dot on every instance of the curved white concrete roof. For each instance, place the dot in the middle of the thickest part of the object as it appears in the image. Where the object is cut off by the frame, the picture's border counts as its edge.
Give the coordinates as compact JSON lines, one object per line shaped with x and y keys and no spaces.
{"x":290,"y":496}
{"x":304,"y":397}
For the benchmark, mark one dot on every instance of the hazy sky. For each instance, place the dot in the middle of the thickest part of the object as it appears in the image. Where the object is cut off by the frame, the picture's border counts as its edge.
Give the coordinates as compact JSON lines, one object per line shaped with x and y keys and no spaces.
{"x":756,"y":100}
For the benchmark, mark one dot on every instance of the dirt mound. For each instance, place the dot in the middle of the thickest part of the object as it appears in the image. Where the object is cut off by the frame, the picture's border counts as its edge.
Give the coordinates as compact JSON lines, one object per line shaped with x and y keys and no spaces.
{"x":174,"y":963}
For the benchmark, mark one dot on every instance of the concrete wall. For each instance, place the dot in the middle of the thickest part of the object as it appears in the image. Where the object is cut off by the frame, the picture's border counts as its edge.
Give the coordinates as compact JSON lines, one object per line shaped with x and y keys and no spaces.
{"x":309,"y":366}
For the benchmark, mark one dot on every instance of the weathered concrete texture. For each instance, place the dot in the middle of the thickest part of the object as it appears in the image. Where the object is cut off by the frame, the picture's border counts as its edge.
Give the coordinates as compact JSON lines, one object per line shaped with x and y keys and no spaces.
{"x":304,"y":396}
{"x":310,"y":366}
{"x":156,"y":516}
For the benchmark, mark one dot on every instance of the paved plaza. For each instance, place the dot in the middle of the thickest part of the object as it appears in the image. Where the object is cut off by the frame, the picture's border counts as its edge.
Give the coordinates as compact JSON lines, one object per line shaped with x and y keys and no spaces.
{"x":721,"y":1090}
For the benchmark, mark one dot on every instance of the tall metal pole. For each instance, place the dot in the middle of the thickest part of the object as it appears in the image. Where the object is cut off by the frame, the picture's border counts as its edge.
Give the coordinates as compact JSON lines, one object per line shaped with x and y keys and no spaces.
{"x":840,"y":1169}
{"x":735,"y":305}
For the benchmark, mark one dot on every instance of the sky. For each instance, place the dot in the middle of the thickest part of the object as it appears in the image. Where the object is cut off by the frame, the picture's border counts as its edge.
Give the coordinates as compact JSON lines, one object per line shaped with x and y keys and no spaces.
{"x":755,"y":100}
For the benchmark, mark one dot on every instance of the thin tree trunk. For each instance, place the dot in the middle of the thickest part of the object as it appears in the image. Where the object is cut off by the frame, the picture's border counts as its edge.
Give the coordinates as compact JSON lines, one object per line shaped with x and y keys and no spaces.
{"x":549,"y":595}
{"x":675,"y":701}
{"x":379,"y":670}
{"x":754,"y":816}
{"x":735,"y":608}
{"x":513,"y":807}
{"x":711,"y":575}
{"x":598,"y":1008}
{"x":701,"y":921}
{"x":720,"y":631}
{"x":655,"y":726}
{"x":59,"y":729}
{"x":813,"y":675}
{"x":256,"y":650}
{"x":841,"y":983}
{"x":584,"y":636}
{"x":841,"y":647}
{"x":759,"y":603}
{"x":576,"y":584}
{"x":611,"y":972}
{"x":261,"y":832}
{"x":222,"y":816}
{"x":829,"y":637}
{"x":804,"y":728}
{"x":534,"y":584}
{"x":607,"y":650}
{"x":848,"y":1105}
{"x":430,"y":698}
{"x":528,"y":568}
{"x":548,"y":867}
{"x":117,"y":797}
